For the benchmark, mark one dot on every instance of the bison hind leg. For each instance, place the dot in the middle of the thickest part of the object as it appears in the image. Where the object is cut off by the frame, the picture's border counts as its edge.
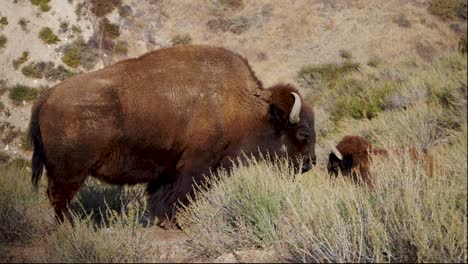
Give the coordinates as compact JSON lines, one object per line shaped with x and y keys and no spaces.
{"x":61,"y":191}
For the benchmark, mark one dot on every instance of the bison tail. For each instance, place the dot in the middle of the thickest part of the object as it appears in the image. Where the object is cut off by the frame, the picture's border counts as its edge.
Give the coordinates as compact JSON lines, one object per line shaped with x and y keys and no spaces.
{"x":35,"y":139}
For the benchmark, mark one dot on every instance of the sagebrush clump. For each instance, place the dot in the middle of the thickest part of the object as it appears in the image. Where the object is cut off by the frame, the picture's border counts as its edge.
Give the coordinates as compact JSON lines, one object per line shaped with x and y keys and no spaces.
{"x":447,"y":9}
{"x":48,"y":70}
{"x":3,"y":41}
{"x":102,"y":8}
{"x":121,"y":48}
{"x":3,"y":21}
{"x":20,"y":93}
{"x":108,"y":29}
{"x":47,"y":36}
{"x":17,"y":62}
{"x":19,"y":207}
{"x":79,"y":53}
{"x":23,"y":24}
{"x":184,"y":39}
{"x":42,"y":4}
{"x":37,"y":69}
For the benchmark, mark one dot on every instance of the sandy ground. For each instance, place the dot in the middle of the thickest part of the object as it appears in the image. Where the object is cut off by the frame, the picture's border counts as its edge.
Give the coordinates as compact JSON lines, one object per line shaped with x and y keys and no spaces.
{"x":165,"y":247}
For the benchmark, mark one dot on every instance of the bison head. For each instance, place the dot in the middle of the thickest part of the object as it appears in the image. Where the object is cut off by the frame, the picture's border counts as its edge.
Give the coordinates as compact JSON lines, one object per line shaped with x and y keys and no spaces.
{"x":294,"y":124}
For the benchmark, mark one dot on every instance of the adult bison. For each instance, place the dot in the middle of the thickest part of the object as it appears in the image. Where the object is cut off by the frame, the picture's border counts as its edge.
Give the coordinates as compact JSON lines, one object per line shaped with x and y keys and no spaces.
{"x":352,"y":156}
{"x":166,"y":118}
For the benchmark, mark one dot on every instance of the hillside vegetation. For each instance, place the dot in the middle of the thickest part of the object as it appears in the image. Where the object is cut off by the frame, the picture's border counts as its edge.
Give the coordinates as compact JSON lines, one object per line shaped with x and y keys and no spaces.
{"x":409,"y":216}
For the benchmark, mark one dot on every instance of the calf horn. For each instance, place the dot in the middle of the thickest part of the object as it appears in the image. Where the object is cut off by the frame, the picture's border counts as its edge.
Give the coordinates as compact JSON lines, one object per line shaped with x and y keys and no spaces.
{"x":336,"y":152}
{"x":296,"y":110}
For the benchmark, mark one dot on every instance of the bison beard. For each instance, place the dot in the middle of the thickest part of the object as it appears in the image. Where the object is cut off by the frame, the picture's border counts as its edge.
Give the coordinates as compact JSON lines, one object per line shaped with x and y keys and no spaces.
{"x":167,"y":118}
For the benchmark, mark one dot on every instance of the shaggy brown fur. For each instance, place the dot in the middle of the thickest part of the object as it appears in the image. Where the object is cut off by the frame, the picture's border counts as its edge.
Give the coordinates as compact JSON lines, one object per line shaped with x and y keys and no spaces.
{"x":357,"y":152}
{"x":165,"y":118}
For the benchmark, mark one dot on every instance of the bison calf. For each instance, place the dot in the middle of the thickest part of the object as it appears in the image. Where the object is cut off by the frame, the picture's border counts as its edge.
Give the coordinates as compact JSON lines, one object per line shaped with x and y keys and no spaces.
{"x":352,"y":157}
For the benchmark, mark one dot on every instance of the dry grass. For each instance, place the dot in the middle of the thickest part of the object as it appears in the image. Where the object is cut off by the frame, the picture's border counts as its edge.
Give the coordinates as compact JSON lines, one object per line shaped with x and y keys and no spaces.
{"x":369,"y":91}
{"x":409,"y":216}
{"x":47,"y":36}
{"x":3,"y":41}
{"x":22,"y":59}
{"x":123,"y":240}
{"x":24,"y":214}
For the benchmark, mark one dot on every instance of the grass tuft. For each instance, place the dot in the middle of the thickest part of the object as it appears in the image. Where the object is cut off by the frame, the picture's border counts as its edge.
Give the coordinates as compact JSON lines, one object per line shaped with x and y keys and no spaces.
{"x":3,"y":41}
{"x":17,"y":62}
{"x":3,"y":21}
{"x":181,"y":40}
{"x":446,"y":9}
{"x":79,"y":53}
{"x":23,"y":24}
{"x":47,"y":36}
{"x":42,"y":4}
{"x":20,"y":93}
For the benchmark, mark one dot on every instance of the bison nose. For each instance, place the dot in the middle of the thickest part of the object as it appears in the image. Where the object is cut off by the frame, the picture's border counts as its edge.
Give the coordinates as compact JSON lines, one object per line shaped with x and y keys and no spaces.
{"x":305,"y":167}
{"x":314,"y":160}
{"x":308,"y":163}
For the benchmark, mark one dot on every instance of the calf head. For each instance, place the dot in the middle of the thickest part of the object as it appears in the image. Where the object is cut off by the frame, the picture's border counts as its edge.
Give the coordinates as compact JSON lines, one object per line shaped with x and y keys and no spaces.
{"x":338,"y":162}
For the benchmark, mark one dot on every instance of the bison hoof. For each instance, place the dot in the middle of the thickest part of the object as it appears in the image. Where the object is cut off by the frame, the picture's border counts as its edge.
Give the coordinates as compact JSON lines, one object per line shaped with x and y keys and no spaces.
{"x":166,"y":224}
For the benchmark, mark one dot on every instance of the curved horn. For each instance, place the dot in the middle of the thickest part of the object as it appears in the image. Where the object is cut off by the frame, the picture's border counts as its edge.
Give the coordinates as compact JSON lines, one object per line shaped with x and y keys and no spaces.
{"x":296,"y":109}
{"x":336,"y":152}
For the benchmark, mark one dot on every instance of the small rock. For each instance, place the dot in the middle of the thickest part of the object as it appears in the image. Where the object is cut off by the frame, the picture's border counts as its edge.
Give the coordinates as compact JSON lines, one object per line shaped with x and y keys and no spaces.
{"x":7,"y":148}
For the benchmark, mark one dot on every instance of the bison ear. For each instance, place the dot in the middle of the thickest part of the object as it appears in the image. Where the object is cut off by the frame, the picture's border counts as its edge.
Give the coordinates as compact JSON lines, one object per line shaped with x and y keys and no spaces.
{"x":278,"y":117}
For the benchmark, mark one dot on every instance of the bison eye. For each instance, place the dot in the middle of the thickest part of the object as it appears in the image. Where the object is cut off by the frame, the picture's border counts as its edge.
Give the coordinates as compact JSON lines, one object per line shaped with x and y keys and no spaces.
{"x":302,"y":136}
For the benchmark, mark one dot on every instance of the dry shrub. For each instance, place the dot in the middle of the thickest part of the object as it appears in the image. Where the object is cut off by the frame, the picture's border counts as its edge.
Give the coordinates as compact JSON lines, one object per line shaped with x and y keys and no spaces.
{"x":3,"y":21}
{"x":8,"y":132}
{"x":108,"y":29}
{"x":3,"y":41}
{"x":95,"y":200}
{"x":121,"y":48}
{"x":24,"y":214}
{"x":409,"y":216}
{"x":17,"y":62}
{"x":42,"y":4}
{"x":103,"y":7}
{"x":47,"y":36}
{"x":23,"y":24}
{"x":236,"y":25}
{"x":402,"y":21}
{"x":48,"y":70}
{"x":124,"y":240}
{"x":181,"y":40}
{"x":447,"y":9}
{"x":109,"y":227}
{"x":79,"y":53}
{"x":20,"y":93}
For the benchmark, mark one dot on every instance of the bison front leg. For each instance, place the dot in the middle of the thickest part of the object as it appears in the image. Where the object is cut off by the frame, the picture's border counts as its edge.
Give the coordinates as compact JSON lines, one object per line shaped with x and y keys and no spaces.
{"x":160,"y":204}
